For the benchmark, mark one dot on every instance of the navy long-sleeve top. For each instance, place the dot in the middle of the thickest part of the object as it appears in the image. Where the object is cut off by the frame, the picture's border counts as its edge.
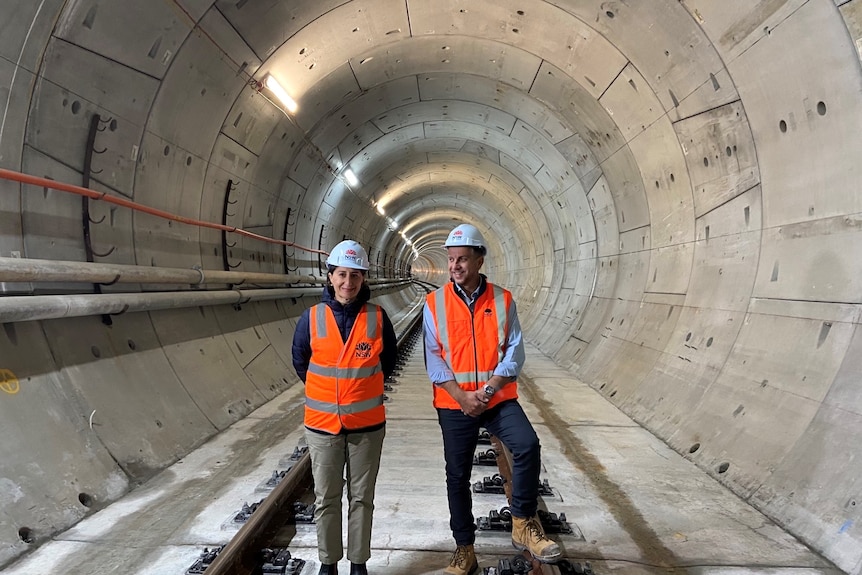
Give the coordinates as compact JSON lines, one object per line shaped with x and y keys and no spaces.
{"x":345,"y":316}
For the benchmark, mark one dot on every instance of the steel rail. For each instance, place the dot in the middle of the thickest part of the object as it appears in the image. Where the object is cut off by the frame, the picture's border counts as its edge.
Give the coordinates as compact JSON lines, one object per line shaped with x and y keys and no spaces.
{"x":235,"y":557}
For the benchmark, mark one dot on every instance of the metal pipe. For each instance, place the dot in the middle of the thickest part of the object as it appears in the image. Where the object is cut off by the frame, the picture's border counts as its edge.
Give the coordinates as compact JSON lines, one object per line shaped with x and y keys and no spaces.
{"x":29,"y":308}
{"x":34,"y":307}
{"x":32,"y":270}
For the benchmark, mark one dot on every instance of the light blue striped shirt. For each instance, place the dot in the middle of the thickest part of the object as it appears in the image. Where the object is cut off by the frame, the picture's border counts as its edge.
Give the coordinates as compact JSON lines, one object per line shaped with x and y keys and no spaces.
{"x":513,"y":350}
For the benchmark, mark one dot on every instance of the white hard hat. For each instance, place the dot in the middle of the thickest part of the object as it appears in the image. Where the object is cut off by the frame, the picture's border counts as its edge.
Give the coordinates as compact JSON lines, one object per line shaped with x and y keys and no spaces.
{"x":465,"y":235}
{"x":348,"y":254}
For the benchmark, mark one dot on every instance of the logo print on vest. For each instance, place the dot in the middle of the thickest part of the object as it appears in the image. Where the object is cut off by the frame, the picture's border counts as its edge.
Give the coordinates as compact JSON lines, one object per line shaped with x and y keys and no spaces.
{"x":363,"y":349}
{"x":488,"y":311}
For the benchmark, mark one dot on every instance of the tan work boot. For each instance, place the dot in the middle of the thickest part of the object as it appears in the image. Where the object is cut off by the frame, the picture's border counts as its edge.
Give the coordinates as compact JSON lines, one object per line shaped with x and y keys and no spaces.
{"x":528,"y":535}
{"x":463,"y":561}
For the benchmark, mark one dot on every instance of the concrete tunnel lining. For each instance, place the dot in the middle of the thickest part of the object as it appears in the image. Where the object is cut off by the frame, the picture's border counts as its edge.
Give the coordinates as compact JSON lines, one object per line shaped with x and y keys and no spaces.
{"x":670,"y":188}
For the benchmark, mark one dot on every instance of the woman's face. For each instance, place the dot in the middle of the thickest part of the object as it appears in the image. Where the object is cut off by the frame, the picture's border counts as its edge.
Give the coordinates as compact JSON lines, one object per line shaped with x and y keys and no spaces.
{"x":346,"y":283}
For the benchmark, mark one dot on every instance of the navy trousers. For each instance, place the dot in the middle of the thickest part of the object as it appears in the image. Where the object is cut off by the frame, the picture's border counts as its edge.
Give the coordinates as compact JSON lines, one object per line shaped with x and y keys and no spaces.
{"x":508,"y":422}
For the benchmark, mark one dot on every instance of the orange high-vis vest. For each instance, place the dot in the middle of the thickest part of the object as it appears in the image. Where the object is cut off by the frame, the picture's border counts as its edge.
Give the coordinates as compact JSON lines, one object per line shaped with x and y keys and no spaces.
{"x":472,"y":345}
{"x":344,"y":383}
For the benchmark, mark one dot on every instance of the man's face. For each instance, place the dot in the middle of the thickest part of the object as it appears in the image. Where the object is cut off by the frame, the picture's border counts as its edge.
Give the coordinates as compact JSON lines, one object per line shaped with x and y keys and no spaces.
{"x":464,"y":266}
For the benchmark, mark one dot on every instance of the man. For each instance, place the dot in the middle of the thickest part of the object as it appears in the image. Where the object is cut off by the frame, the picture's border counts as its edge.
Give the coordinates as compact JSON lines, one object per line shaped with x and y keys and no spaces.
{"x":473,"y":354}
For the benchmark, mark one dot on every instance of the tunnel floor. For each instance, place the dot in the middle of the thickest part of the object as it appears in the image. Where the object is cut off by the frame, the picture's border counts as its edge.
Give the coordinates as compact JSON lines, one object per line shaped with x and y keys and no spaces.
{"x":634,"y":505}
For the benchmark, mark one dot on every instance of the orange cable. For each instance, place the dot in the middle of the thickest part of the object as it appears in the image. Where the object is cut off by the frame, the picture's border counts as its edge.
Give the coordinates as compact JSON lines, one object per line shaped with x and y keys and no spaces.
{"x":103,"y":196}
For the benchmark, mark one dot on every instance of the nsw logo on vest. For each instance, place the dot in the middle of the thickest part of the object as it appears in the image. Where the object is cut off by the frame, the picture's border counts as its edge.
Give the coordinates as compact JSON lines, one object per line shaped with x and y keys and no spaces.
{"x":363,"y":350}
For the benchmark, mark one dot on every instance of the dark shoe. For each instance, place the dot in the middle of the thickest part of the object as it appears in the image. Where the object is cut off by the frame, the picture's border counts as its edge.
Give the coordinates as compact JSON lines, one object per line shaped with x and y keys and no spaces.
{"x":328,"y":569}
{"x":358,"y":569}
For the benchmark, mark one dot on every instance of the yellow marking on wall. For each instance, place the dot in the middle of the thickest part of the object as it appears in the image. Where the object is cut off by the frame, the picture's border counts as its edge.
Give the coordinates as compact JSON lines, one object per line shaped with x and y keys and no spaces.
{"x":8,"y":382}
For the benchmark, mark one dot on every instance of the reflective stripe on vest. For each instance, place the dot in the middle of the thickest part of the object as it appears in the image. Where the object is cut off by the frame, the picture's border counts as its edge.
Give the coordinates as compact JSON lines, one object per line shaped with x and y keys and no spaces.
{"x":357,"y":407}
{"x":467,"y":378}
{"x":353,"y":373}
{"x":344,"y":382}
{"x":320,"y":312}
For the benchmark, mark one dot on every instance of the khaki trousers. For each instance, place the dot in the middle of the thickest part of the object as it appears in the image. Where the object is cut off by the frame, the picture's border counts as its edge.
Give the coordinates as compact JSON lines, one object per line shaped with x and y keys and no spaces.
{"x":331,"y":455}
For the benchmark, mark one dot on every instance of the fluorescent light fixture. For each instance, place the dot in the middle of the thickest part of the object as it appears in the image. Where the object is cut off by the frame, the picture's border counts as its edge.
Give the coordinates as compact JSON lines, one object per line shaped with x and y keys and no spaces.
{"x":351,"y":178}
{"x":282,"y":95}
{"x":380,"y":210}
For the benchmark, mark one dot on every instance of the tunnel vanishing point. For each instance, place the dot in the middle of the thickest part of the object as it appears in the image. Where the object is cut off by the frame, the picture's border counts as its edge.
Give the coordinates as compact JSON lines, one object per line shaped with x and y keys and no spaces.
{"x":671,"y":189}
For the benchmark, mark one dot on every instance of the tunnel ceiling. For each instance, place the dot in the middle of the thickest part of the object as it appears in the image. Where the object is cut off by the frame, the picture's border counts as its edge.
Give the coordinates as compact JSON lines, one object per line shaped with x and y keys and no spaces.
{"x":502,"y":116}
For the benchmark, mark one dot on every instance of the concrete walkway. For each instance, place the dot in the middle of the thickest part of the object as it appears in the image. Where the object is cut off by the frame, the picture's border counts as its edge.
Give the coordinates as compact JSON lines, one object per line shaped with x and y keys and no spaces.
{"x":635,"y":505}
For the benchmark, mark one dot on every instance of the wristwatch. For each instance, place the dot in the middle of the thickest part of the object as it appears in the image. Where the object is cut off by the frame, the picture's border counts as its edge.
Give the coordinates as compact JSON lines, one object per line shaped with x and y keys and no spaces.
{"x":489,"y":390}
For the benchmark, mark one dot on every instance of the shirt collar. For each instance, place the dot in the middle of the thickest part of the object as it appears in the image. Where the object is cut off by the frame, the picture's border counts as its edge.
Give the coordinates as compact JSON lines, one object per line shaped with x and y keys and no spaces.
{"x":471,"y":297}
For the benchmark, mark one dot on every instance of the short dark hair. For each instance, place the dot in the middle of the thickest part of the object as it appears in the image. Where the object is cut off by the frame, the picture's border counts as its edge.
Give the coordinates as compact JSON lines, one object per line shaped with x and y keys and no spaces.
{"x":480,"y":250}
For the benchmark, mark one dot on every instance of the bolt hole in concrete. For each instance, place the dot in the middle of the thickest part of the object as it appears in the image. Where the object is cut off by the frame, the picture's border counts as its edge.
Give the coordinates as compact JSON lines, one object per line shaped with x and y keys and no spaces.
{"x":96,"y":352}
{"x":86,"y":499}
{"x":76,"y":107}
{"x":694,"y":448}
{"x":25,"y":534}
{"x":821,"y":108}
{"x":613,"y":393}
{"x":159,"y":424}
{"x":723,"y":467}
{"x":782,"y":125}
{"x":132,"y":345}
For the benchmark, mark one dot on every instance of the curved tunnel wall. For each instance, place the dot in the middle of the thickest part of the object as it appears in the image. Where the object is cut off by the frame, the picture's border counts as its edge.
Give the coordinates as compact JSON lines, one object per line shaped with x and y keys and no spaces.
{"x":670,"y":190}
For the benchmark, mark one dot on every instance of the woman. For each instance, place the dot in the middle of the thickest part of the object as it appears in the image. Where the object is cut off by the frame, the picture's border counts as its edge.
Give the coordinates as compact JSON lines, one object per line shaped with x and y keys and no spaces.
{"x":343,"y":348}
